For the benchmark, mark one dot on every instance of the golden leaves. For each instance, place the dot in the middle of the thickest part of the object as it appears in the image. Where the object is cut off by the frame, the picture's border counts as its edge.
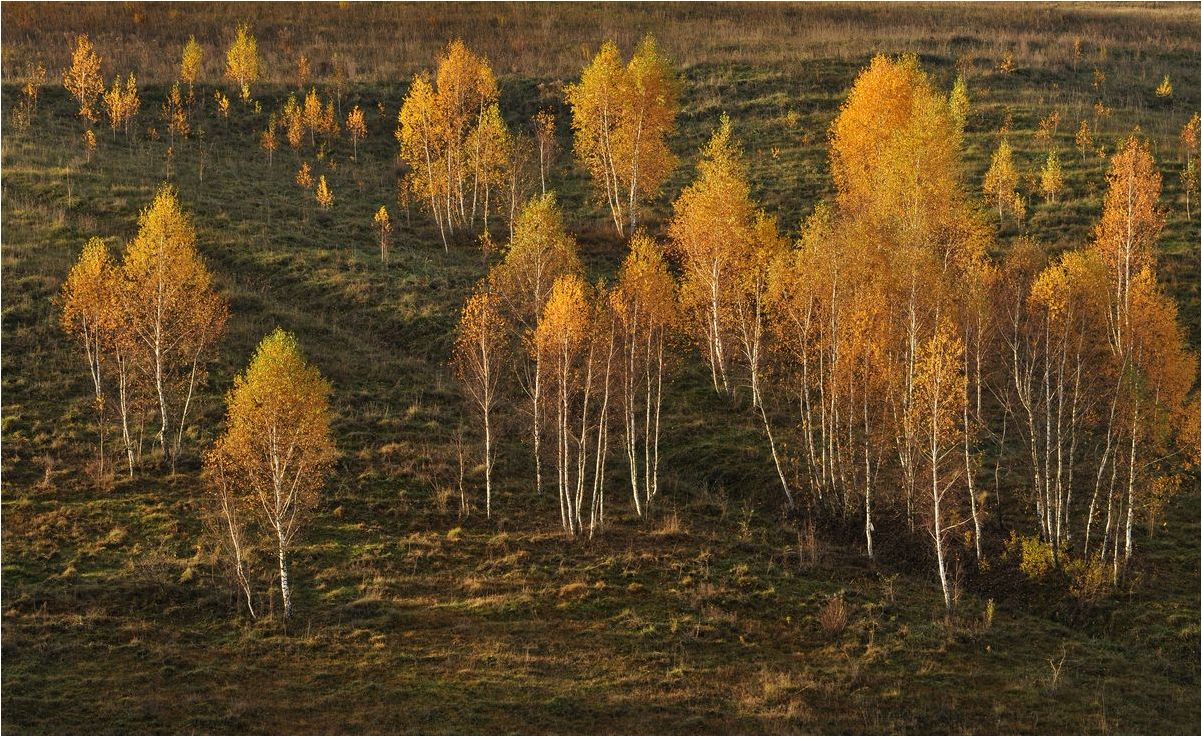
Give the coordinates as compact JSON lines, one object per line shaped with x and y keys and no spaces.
{"x":622,"y":116}
{"x":82,"y":78}
{"x":242,"y":60}
{"x":190,"y":62}
{"x":325,"y":198}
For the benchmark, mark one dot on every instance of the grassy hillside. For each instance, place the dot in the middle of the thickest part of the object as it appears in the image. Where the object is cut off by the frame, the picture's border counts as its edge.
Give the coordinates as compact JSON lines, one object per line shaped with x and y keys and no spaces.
{"x":410,"y":618}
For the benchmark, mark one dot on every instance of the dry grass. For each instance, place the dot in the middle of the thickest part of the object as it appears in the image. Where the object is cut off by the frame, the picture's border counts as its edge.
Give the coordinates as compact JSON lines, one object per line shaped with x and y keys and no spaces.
{"x":554,"y":39}
{"x":833,"y":616}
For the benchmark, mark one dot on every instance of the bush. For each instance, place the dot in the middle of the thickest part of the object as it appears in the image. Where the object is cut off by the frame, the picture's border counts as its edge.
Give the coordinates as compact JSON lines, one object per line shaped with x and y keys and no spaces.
{"x":1035,"y":557}
{"x":1089,"y":580}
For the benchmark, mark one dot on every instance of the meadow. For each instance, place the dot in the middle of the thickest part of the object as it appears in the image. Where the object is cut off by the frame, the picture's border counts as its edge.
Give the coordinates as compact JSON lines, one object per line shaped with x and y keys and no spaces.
{"x":714,"y":615}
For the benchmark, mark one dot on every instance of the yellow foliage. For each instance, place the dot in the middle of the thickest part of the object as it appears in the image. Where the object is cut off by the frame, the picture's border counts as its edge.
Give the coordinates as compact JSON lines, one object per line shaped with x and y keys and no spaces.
{"x":622,"y":116}
{"x":242,"y":60}
{"x":82,"y":78}
{"x":1051,"y":180}
{"x":1164,"y":90}
{"x":190,"y":62}
{"x":325,"y":198}
{"x":304,"y":176}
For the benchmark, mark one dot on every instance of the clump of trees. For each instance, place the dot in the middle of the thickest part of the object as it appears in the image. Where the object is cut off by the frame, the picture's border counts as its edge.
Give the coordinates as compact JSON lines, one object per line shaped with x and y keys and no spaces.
{"x":885,"y":353}
{"x":457,"y":148}
{"x":622,"y":115}
{"x":147,"y":326}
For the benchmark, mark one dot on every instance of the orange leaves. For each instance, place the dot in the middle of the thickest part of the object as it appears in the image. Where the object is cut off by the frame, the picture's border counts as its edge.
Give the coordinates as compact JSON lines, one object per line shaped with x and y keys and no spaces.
{"x":939,"y":390}
{"x":158,"y":309}
{"x":540,"y":252}
{"x":565,"y":321}
{"x":1001,"y":180}
{"x":275,"y":454}
{"x":713,"y":232}
{"x":304,"y":176}
{"x":83,"y":79}
{"x":168,"y":293}
{"x":480,"y":346}
{"x":1051,"y":179}
{"x":1131,"y":217}
{"x":356,"y":126}
{"x":175,"y":113}
{"x":278,"y":422}
{"x":88,"y":294}
{"x":645,"y":295}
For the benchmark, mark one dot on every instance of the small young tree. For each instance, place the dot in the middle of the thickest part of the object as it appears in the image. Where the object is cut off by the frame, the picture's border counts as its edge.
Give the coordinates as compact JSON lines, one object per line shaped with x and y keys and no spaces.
{"x":383,"y":227}
{"x":1001,"y":180}
{"x":303,"y":72}
{"x":479,"y":353}
{"x":122,"y":103}
{"x":1051,"y":180}
{"x":227,"y":519}
{"x":175,"y":115}
{"x":1189,"y":173}
{"x":242,"y":61}
{"x":312,"y":115}
{"x":325,"y":198}
{"x":544,"y":136}
{"x":89,"y":144}
{"x":294,"y":123}
{"x":277,"y":448}
{"x":31,"y":90}
{"x":356,"y":126}
{"x":191,"y":62}
{"x":1084,"y":140}
{"x":83,"y":79}
{"x":268,"y":140}
{"x":304,"y":176}
{"x":1164,"y":90}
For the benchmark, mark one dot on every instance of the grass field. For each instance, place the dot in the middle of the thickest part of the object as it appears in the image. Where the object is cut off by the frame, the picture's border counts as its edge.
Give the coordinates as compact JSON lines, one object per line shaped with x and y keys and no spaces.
{"x":412,"y":619}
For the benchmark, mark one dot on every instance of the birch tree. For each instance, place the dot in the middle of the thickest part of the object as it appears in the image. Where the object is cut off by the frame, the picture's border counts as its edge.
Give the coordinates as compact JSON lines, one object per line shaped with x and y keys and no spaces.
{"x":480,"y":350}
{"x":540,"y":252}
{"x":88,"y":303}
{"x":277,"y":448}
{"x":82,"y":79}
{"x":242,"y":65}
{"x":622,"y":116}
{"x":644,"y":304}
{"x":173,"y":310}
